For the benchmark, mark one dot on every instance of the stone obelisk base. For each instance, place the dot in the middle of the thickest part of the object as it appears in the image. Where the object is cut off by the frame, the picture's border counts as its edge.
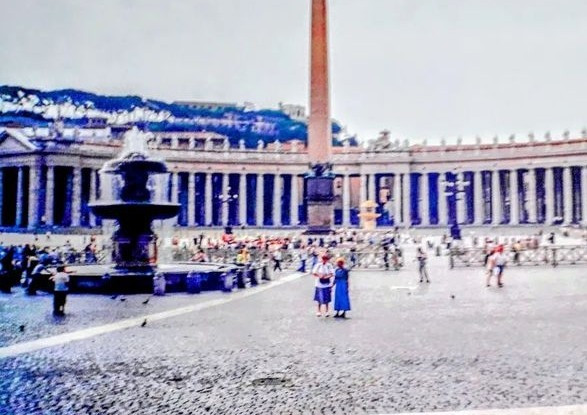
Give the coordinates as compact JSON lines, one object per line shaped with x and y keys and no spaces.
{"x":320,"y":197}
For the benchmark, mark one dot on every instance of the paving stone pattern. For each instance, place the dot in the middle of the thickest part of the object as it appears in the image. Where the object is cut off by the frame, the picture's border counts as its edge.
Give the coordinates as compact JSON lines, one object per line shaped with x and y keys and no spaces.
{"x":407,"y":348}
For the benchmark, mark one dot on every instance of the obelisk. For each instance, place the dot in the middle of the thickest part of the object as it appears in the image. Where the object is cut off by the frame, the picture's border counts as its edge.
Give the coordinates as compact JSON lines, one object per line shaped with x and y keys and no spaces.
{"x":320,"y":179}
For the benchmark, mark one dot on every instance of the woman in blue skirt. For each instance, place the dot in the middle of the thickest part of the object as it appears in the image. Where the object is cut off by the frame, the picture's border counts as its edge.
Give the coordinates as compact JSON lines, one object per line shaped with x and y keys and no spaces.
{"x":342,"y":302}
{"x":323,"y":273}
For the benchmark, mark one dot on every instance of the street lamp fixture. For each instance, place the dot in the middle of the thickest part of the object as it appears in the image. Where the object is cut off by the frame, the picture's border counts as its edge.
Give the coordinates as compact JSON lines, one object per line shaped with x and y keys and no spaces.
{"x":457,"y":189}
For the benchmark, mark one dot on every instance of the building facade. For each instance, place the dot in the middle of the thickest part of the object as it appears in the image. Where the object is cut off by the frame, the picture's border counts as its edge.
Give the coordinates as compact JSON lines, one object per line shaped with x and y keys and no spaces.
{"x":48,"y":179}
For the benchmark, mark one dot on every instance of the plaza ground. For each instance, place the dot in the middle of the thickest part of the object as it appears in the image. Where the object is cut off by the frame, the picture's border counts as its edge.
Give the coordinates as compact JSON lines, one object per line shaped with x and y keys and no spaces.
{"x":406,"y":348}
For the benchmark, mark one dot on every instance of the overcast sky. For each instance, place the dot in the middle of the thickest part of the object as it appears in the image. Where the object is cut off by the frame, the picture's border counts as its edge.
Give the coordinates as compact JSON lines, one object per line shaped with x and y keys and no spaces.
{"x":421,"y":68}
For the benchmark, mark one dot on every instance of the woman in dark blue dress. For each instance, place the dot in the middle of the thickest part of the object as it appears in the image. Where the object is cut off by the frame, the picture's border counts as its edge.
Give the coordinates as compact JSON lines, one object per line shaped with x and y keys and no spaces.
{"x":342,"y":303}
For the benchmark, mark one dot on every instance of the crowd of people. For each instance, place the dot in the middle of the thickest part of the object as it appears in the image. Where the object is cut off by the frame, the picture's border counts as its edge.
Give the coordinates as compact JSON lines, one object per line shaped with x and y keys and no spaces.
{"x":35,"y":267}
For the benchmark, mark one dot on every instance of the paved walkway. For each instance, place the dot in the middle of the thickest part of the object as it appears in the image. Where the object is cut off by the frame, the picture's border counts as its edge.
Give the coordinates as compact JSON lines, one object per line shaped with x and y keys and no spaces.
{"x":407,"y":348}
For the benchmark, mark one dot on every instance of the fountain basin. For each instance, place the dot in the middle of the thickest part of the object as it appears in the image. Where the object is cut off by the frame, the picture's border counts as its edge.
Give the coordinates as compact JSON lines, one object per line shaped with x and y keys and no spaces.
{"x":109,"y":278}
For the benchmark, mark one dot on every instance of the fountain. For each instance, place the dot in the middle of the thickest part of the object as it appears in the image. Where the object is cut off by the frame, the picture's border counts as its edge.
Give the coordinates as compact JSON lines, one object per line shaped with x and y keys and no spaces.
{"x":133,"y":196}
{"x":134,"y":242}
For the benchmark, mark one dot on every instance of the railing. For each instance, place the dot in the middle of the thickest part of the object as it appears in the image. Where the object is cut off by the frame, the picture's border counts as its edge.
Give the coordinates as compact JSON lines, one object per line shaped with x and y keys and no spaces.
{"x":552,"y":255}
{"x":372,"y":258}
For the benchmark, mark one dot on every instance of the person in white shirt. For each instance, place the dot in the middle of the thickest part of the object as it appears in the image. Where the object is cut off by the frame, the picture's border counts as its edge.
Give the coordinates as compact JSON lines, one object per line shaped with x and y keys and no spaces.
{"x":60,"y":279}
{"x":324,"y":273}
{"x":277,"y":259}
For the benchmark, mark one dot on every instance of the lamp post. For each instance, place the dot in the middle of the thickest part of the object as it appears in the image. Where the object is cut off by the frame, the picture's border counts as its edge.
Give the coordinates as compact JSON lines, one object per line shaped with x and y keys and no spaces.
{"x":458,"y":189}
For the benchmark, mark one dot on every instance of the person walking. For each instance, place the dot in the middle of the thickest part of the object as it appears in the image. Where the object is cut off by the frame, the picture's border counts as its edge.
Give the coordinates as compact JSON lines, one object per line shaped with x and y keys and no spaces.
{"x":490,"y":266}
{"x":342,"y":302}
{"x":323,"y":272}
{"x":61,"y":281}
{"x":277,"y":260}
{"x":422,"y":259}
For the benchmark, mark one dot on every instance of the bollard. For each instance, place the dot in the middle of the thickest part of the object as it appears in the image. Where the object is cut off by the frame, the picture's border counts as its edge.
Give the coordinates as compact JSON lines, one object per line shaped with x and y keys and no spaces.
{"x":266,"y":272}
{"x":226,"y":282}
{"x":240,"y":277}
{"x":159,"y":284}
{"x":438,"y":250}
{"x":253,"y":270}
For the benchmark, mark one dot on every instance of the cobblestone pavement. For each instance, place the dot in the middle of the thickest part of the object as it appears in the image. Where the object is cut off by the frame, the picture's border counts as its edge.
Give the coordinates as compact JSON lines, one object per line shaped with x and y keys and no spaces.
{"x":407,"y":348}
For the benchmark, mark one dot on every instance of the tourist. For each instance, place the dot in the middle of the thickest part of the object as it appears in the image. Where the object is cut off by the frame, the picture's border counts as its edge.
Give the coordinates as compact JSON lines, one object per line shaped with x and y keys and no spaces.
{"x":500,"y":261}
{"x":314,"y":255}
{"x":200,"y":256}
{"x":38,"y":274}
{"x":323,"y":272}
{"x":490,"y":265}
{"x":61,"y":281}
{"x":303,"y":259}
{"x":277,"y":260}
{"x":422,"y":258}
{"x":386,"y":256}
{"x":342,"y":302}
{"x":5,"y":280}
{"x":517,"y":248}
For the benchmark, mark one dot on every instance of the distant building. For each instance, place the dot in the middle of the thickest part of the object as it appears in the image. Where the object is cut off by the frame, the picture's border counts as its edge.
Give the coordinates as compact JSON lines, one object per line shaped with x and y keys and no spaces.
{"x":210,"y":105}
{"x":296,"y":112}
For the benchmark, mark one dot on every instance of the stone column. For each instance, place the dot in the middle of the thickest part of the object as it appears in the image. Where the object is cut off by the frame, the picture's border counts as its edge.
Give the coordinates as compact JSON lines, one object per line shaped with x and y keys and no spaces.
{"x":175,"y":193}
{"x":372,"y":196}
{"x":19,"y":198}
{"x":242,"y":199}
{"x":208,"y":201}
{"x":295,"y":201}
{"x":496,"y":213}
{"x":34,"y":191}
{"x":461,"y":199}
{"x":442,"y":205}
{"x":514,"y":198}
{"x":549,"y":199}
{"x":363,"y":189}
{"x":583,"y":195}
{"x":425,"y":198}
{"x":346,"y":200}
{"x":76,"y":196}
{"x":397,"y":199}
{"x":192,"y":199}
{"x":531,"y":197}
{"x":49,"y":195}
{"x":479,"y":198}
{"x":1,"y":193}
{"x":259,"y":208}
{"x":568,"y":195}
{"x":175,"y":187}
{"x":407,"y":217}
{"x":225,"y":198}
{"x":92,"y":198}
{"x":277,"y":190}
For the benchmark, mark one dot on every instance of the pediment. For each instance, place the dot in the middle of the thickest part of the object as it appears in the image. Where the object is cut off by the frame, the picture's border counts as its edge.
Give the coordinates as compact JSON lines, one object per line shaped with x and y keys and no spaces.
{"x":14,"y":142}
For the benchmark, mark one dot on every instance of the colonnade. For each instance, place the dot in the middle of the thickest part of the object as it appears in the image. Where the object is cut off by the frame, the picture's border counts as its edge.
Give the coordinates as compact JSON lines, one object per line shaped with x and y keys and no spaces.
{"x":39,"y":195}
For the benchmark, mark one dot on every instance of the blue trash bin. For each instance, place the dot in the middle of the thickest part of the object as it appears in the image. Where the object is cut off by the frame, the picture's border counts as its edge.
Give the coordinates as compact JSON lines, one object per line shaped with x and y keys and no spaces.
{"x":194,"y":283}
